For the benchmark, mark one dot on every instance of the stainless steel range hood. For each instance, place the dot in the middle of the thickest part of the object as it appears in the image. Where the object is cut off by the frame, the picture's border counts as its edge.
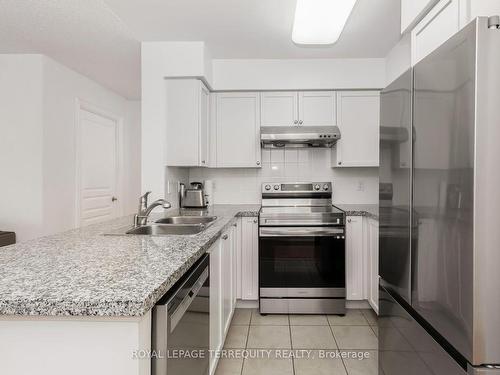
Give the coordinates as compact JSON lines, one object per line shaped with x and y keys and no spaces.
{"x":299,"y":136}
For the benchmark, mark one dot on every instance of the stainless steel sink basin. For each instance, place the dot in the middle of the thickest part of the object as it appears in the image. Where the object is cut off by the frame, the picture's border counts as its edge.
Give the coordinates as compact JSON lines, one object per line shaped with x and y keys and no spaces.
{"x":172,"y":225}
{"x":186,"y":220}
{"x":159,"y":229}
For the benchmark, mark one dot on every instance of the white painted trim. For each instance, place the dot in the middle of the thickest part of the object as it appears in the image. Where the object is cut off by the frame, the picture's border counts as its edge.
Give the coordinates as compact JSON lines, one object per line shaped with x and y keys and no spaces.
{"x":438,"y":7}
{"x":420,"y":16}
{"x":363,"y":304}
{"x":81,"y":104}
{"x":247,"y":304}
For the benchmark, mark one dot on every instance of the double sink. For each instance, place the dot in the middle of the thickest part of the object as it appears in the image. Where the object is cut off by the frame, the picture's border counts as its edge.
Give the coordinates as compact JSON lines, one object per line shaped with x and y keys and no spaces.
{"x":174,"y":225}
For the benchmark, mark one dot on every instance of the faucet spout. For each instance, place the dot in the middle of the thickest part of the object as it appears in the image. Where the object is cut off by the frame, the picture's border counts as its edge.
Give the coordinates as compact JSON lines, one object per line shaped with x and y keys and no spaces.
{"x":141,"y":218}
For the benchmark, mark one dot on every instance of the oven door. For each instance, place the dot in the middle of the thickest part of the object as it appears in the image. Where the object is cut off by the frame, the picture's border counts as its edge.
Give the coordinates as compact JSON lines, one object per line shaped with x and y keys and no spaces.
{"x":302,"y":262}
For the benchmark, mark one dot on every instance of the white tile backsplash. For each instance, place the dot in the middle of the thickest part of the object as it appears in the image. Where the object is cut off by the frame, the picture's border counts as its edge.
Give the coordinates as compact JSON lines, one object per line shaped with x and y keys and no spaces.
{"x":243,"y":185}
{"x":277,"y":155}
{"x":291,"y":155}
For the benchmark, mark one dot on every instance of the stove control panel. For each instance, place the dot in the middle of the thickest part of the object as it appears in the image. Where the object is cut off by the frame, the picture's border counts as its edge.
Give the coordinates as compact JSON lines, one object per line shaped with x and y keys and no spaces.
{"x":296,"y":187}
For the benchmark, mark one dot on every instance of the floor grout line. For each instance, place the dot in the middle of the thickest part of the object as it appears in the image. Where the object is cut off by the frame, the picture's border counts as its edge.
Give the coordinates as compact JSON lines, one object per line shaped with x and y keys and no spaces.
{"x":290,"y":326}
{"x":291,"y":344}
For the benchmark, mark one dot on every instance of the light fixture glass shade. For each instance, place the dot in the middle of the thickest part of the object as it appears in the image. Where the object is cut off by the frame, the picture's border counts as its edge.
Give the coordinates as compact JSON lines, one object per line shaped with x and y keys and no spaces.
{"x":320,"y":21}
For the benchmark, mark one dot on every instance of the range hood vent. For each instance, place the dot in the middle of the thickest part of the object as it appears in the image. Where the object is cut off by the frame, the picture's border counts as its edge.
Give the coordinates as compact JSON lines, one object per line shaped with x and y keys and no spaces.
{"x":391,"y":134}
{"x":299,"y":136}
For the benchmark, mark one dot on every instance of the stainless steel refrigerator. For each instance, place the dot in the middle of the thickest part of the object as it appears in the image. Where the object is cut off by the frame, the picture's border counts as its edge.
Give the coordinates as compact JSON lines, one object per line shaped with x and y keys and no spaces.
{"x":440,"y":211}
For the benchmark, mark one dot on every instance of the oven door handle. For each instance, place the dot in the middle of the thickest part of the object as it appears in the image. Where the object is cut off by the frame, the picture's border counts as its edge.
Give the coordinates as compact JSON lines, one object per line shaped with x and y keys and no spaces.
{"x":300,"y":221}
{"x":301,"y":232}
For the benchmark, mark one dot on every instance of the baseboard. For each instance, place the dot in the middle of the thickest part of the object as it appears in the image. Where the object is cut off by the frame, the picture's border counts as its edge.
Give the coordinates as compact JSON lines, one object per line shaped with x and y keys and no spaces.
{"x":357,"y":305}
{"x":241,"y":304}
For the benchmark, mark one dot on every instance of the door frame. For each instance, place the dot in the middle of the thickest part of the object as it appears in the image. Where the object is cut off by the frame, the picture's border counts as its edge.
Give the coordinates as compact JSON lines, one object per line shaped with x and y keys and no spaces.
{"x":81,"y":104}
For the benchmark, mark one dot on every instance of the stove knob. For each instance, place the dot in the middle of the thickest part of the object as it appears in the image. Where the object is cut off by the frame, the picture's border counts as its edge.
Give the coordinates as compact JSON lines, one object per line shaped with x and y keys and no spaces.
{"x":268,"y":187}
{"x":276,"y":187}
{"x":316,"y":187}
{"x":325,"y":187}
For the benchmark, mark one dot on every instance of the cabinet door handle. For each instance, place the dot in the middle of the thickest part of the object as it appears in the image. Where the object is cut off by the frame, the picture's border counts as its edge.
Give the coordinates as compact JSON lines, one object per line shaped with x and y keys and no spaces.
{"x":300,"y":122}
{"x":349,"y":220}
{"x":225,"y":237}
{"x":258,"y":162}
{"x":255,"y":221}
{"x":295,"y":122}
{"x":203,"y":162}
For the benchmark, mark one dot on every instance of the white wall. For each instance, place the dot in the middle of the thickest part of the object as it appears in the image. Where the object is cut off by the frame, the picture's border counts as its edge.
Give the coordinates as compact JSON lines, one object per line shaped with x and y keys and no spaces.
{"x":160,"y":60}
{"x":233,"y":186}
{"x":174,"y":176}
{"x":295,"y":74}
{"x":20,"y":144}
{"x":49,"y":148}
{"x":398,"y":60}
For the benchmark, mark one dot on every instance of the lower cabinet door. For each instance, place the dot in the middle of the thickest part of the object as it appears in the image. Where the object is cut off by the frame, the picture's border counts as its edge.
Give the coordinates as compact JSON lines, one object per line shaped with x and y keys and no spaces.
{"x":250,"y":259}
{"x":226,"y":277}
{"x":373,"y":264}
{"x":216,"y":336}
{"x":354,"y":258}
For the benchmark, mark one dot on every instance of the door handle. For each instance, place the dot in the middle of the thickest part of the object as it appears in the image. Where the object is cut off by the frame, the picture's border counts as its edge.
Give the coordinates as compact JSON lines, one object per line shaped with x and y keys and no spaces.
{"x":114,"y":199}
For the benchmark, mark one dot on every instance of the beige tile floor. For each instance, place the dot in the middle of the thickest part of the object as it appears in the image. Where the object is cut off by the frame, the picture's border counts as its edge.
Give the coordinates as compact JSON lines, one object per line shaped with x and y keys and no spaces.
{"x":313,"y":336}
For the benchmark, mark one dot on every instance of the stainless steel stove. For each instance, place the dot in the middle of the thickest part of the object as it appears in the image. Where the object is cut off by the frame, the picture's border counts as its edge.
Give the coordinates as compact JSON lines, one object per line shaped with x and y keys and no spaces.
{"x":301,"y":250}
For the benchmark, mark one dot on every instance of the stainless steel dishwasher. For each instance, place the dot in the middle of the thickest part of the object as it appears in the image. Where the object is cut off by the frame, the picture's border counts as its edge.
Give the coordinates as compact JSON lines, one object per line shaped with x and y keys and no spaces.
{"x":180,"y":337}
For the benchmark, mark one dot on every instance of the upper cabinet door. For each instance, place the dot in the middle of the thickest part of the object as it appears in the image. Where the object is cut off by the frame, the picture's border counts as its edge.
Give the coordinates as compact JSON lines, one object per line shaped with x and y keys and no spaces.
{"x":317,"y":108}
{"x":238,"y":130}
{"x":358,"y":118}
{"x":442,"y":21}
{"x":279,"y":108}
{"x":187,"y":124}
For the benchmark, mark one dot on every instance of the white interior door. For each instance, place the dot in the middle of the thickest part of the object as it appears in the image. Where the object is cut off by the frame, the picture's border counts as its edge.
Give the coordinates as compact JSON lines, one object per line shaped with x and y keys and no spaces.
{"x":98,"y":168}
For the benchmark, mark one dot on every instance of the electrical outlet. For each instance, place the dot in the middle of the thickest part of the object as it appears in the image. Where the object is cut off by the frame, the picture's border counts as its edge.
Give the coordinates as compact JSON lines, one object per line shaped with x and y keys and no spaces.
{"x":361,"y":186}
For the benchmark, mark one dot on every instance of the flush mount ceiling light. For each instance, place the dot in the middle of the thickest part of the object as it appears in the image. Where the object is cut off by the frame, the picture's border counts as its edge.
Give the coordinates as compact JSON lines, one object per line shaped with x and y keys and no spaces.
{"x":320,"y":21}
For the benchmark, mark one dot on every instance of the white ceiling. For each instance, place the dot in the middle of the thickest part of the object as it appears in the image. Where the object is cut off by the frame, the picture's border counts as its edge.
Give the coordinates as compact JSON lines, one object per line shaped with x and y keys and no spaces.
{"x":100,"y":38}
{"x":84,"y":35}
{"x":258,"y":28}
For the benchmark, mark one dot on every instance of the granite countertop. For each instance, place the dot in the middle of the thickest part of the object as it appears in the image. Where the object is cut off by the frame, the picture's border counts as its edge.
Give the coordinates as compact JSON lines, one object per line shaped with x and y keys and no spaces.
{"x":83,"y":272}
{"x":369,"y":210}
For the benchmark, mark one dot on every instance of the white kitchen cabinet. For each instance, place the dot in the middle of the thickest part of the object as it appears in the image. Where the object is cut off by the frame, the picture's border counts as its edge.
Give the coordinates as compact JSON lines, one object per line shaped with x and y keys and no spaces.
{"x":445,"y":19}
{"x":222,"y":288}
{"x":249,"y":259}
{"x":355,"y":286}
{"x":237,"y":241}
{"x":412,"y":12}
{"x":216,"y":307}
{"x":227,"y":287}
{"x":237,"y":118}
{"x":317,"y":108}
{"x":358,"y":118}
{"x":187,"y":123}
{"x":372,"y":264}
{"x":303,"y":108}
{"x":279,"y":108}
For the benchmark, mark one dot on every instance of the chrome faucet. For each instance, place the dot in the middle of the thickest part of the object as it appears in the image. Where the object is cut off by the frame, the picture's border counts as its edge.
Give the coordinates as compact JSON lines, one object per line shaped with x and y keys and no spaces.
{"x":141,"y":218}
